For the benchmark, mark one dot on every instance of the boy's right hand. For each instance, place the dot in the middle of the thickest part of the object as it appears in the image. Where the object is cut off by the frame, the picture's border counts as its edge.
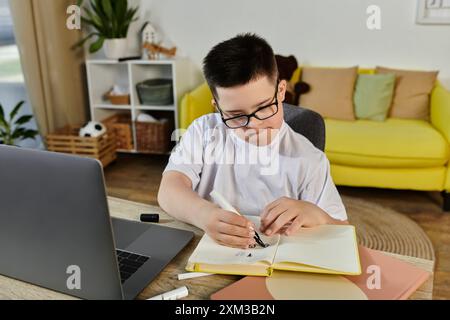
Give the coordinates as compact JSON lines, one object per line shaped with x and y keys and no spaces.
{"x":228,"y":228}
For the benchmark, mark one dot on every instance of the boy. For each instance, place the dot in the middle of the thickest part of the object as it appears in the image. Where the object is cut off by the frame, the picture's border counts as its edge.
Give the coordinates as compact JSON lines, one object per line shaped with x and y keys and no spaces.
{"x":296,"y":192}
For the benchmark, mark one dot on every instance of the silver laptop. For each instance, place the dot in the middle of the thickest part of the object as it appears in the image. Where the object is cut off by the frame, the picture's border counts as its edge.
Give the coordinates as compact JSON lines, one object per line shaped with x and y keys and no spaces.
{"x":56,"y":231}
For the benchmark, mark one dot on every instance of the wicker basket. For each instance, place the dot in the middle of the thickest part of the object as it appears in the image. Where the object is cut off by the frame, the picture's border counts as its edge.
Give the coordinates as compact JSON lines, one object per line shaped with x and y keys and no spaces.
{"x":117,"y":99}
{"x":120,"y":124}
{"x":67,"y":140}
{"x":152,"y":137}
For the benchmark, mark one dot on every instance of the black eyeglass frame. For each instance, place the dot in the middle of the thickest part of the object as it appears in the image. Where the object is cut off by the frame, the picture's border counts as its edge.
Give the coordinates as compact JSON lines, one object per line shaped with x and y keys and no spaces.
{"x":253,"y":114}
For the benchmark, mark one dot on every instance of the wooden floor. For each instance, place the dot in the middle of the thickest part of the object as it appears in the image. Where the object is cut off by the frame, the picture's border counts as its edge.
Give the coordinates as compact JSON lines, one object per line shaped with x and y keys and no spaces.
{"x":137,"y":178}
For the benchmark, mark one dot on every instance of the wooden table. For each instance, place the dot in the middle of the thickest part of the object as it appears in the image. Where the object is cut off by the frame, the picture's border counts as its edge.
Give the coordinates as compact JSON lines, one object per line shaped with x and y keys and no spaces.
{"x":199,"y":288}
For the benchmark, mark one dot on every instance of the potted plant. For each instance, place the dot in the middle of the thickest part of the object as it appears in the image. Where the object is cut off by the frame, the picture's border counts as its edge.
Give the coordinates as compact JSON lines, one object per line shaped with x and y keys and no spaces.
{"x":109,"y":21}
{"x":12,"y":130}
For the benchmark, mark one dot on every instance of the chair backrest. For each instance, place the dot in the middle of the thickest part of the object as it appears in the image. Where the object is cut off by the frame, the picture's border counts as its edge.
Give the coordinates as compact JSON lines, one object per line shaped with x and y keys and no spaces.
{"x":306,"y":122}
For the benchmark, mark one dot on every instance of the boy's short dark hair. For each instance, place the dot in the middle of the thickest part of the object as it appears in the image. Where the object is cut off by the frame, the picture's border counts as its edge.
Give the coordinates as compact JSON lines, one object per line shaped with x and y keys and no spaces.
{"x":238,"y":61}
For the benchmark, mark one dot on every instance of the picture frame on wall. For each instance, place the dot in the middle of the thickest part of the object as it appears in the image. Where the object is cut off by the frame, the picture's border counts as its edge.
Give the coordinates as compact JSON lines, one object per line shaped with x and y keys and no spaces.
{"x":433,"y":12}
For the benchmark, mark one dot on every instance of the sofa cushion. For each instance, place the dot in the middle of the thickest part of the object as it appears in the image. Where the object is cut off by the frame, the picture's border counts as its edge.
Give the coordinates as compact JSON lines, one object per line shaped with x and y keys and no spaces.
{"x":394,"y":143}
{"x":412,"y":93}
{"x":331,"y":93}
{"x":373,"y":96}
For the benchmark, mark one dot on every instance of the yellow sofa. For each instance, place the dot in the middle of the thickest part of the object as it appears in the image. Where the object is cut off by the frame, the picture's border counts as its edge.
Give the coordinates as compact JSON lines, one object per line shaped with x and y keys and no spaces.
{"x":396,"y":153}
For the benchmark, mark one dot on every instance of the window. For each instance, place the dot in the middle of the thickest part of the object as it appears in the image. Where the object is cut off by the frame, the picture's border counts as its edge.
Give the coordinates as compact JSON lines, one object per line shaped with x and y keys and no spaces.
{"x":10,"y":69}
{"x":12,"y":86}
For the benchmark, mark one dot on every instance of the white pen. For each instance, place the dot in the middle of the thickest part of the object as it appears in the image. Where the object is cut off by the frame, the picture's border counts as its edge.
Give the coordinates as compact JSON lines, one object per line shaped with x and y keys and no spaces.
{"x":224,"y":204}
{"x":172,"y":295}
{"x":190,"y":275}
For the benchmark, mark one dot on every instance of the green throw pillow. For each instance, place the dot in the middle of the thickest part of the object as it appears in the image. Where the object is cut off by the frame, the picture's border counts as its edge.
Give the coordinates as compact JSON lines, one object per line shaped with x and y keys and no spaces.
{"x":373,"y":96}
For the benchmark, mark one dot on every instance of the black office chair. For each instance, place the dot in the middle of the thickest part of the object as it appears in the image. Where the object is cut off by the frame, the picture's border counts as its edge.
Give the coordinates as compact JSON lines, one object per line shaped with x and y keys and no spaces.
{"x":306,"y":122}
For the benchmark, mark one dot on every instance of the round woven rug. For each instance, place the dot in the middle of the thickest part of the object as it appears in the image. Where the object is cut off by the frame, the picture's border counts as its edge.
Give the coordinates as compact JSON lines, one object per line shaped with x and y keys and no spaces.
{"x":384,"y":229}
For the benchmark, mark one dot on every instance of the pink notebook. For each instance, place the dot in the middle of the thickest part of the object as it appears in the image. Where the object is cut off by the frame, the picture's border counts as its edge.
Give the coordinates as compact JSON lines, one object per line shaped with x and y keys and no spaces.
{"x":383,"y":278}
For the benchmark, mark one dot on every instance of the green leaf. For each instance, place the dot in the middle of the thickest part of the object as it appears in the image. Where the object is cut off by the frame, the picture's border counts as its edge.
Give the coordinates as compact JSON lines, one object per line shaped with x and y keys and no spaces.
{"x":107,"y":8}
{"x":114,"y":31}
{"x":89,"y":22}
{"x":82,"y":41}
{"x":30,"y":134}
{"x":3,"y":123}
{"x":23,"y":133}
{"x":97,"y":7}
{"x":120,"y":9}
{"x":23,"y":119}
{"x":94,"y":21}
{"x":129,"y":17}
{"x":2,"y":117}
{"x":94,"y":47}
{"x":15,"y":110}
{"x":18,"y":132}
{"x":102,"y":20}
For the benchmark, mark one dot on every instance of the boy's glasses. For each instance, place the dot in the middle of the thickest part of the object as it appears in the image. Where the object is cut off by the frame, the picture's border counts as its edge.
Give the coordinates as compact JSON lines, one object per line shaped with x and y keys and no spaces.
{"x":262,"y":113}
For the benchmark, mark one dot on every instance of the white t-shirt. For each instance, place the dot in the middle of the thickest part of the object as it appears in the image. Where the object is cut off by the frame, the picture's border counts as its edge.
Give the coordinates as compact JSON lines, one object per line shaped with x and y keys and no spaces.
{"x":250,"y":176}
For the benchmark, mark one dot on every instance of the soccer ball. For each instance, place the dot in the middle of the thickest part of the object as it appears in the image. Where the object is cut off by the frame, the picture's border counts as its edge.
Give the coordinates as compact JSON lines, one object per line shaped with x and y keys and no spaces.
{"x":92,"y":129}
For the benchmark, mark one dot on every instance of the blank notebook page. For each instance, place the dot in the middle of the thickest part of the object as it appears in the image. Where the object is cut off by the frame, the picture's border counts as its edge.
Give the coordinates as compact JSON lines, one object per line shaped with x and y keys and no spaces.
{"x":327,"y":246}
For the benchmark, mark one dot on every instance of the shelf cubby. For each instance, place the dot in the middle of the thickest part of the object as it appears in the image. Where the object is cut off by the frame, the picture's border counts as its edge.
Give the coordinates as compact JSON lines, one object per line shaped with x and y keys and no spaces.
{"x":104,"y":74}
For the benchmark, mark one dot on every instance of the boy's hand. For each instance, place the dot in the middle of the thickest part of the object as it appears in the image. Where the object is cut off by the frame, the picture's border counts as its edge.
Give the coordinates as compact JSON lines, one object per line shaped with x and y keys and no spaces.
{"x":228,"y":228}
{"x":287,"y":215}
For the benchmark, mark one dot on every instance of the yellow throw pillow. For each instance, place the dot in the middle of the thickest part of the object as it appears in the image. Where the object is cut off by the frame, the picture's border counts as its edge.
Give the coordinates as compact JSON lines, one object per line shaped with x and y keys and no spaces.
{"x":331,"y":93}
{"x":412,"y":93}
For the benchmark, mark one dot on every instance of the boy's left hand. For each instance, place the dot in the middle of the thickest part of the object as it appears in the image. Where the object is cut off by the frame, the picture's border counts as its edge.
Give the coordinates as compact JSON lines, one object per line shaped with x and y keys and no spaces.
{"x":286,"y":215}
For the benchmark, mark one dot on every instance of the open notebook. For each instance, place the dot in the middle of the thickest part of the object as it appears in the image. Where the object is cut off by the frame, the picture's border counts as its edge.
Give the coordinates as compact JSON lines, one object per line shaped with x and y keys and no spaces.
{"x":328,"y":249}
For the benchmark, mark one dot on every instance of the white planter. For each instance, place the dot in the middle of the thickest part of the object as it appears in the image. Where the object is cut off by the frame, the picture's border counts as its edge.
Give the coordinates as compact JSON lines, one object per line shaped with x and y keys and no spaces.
{"x":115,"y":48}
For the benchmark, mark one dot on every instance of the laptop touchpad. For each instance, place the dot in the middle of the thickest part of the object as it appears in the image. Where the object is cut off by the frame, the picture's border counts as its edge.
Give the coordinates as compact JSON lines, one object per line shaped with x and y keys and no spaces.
{"x":126,"y":231}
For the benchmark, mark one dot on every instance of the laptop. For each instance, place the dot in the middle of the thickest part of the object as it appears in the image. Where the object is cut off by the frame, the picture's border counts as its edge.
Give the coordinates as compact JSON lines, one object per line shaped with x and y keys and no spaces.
{"x":56,"y":231}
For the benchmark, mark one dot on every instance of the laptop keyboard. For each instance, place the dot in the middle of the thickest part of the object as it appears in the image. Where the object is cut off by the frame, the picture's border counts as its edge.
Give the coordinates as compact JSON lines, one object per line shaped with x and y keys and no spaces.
{"x":129,"y":263}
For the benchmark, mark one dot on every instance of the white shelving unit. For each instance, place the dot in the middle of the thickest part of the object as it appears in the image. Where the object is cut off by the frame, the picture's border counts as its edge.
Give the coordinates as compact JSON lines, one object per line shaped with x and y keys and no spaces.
{"x":103,"y":74}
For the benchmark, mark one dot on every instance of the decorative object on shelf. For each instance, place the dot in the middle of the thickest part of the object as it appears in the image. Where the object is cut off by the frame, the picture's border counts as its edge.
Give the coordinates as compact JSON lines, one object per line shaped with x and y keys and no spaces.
{"x":154,"y":51}
{"x":12,"y":130}
{"x":148,"y":33}
{"x":117,"y":96}
{"x":152,"y":136}
{"x":120,"y":124}
{"x":433,"y":12}
{"x":152,"y":48}
{"x":92,"y":129}
{"x":67,"y":140}
{"x":109,"y":21}
{"x":155,"y":92}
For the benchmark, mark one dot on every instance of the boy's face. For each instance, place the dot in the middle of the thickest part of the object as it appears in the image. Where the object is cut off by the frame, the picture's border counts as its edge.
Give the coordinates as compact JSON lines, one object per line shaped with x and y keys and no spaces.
{"x":246,"y":99}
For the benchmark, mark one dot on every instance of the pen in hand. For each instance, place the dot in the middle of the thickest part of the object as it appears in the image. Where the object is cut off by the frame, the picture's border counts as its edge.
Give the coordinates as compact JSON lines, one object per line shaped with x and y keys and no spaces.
{"x":227,"y":206}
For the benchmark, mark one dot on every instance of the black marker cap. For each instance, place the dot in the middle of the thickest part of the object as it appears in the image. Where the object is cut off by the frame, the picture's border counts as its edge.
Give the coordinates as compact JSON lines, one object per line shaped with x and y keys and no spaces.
{"x":150,"y":217}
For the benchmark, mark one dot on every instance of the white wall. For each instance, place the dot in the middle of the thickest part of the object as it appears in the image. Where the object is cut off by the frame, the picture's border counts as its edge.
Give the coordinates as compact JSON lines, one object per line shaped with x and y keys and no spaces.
{"x":317,"y":32}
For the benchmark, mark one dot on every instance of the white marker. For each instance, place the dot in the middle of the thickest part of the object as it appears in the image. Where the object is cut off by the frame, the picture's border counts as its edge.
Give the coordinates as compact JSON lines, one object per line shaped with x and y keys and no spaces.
{"x":190,"y":275}
{"x":172,"y":295}
{"x":224,"y":204}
